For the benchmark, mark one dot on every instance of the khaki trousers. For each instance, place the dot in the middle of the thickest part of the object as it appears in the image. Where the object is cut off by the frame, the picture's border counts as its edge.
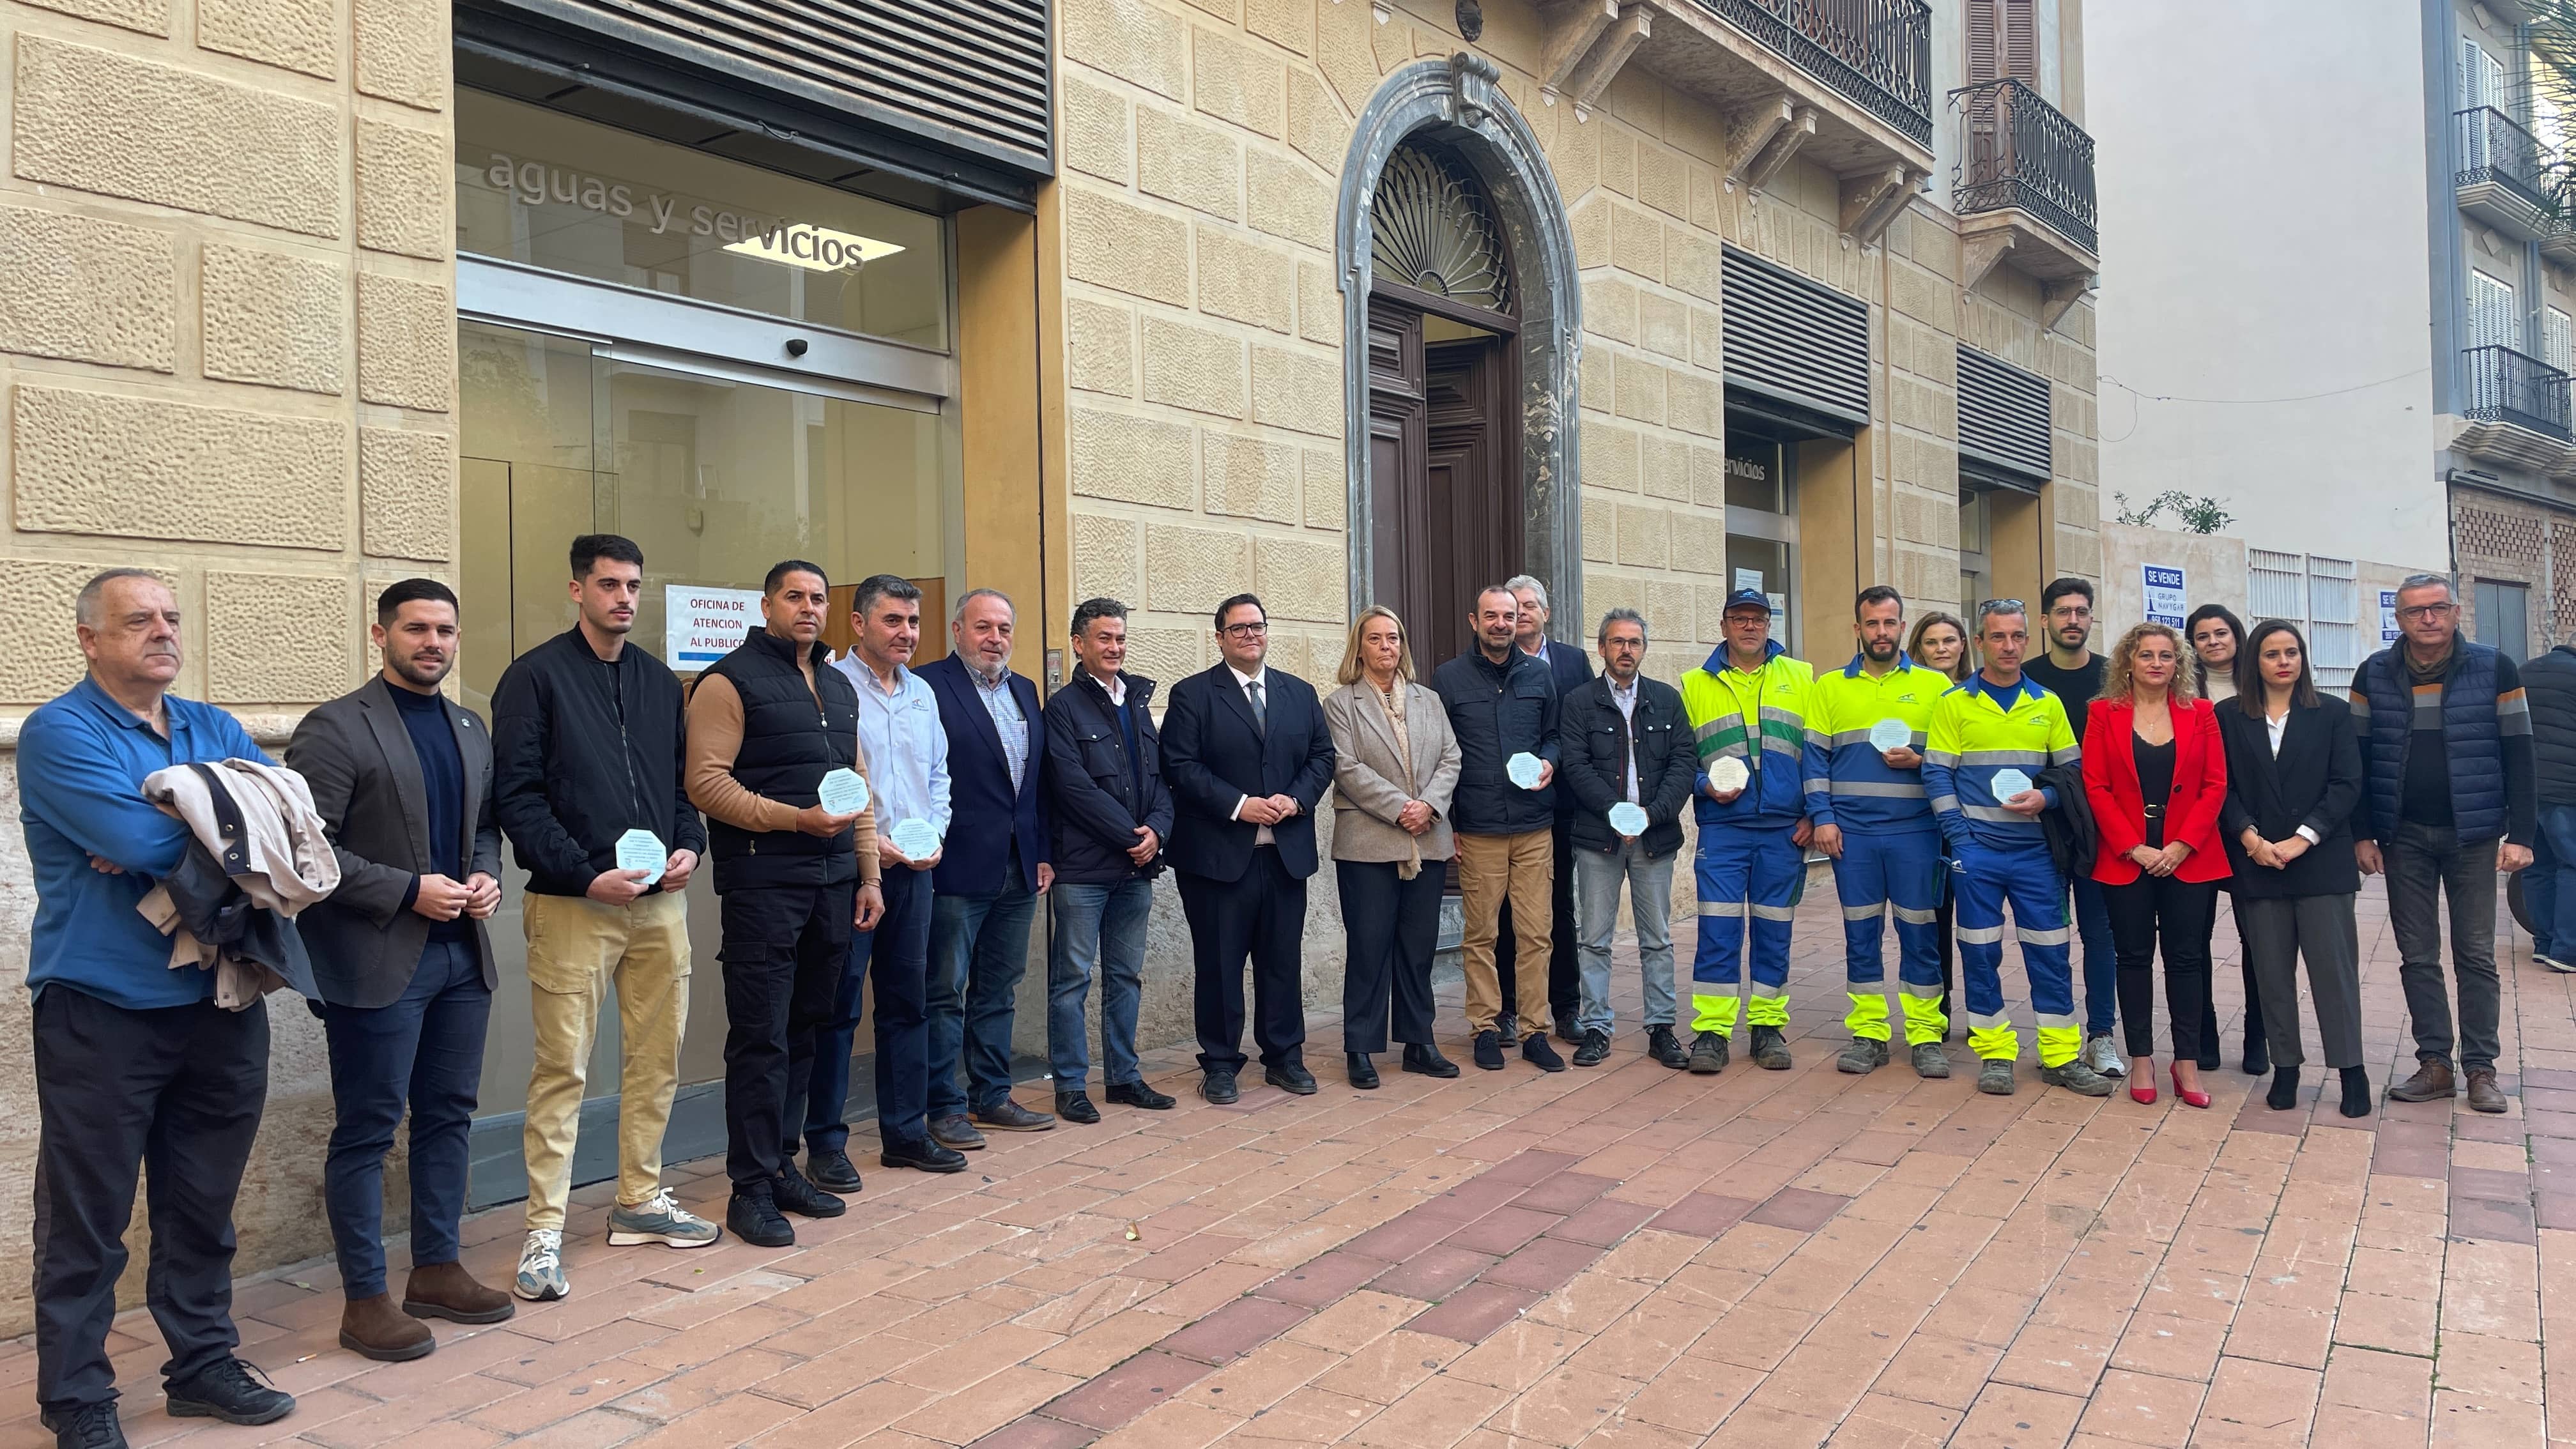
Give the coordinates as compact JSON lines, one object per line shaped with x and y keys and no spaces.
{"x":578,"y":948}
{"x":1491,"y":868}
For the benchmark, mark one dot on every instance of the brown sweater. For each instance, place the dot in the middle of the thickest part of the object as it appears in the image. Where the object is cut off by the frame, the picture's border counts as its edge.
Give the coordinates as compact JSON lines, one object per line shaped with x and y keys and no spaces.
{"x":715,"y":736}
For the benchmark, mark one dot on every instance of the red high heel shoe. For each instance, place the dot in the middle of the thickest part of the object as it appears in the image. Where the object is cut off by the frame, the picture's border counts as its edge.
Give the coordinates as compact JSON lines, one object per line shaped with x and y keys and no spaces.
{"x":2142,"y":1088}
{"x":2191,"y":1099}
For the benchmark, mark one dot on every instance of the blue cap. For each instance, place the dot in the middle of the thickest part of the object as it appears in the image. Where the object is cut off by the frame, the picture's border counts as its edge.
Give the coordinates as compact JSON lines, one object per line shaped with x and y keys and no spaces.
{"x":1749,"y":599}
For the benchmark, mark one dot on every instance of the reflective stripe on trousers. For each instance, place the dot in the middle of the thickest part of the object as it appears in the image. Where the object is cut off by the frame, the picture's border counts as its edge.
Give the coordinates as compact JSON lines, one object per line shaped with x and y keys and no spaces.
{"x":1742,"y":872}
{"x":2027,"y":879}
{"x":1876,"y":870}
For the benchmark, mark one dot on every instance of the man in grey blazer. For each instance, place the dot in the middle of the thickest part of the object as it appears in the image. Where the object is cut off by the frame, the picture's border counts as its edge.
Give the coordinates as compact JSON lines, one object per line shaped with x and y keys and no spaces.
{"x":403,"y":780}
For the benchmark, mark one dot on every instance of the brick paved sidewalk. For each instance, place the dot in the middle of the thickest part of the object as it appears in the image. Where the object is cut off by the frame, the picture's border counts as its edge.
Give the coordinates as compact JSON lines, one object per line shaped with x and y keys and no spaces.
{"x":1626,"y":1257}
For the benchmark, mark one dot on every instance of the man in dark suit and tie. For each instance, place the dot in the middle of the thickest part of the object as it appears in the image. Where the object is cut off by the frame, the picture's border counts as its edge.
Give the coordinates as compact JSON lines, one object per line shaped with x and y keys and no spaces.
{"x":992,"y":868}
{"x":1248,"y":758}
{"x":403,"y":781}
{"x":1570,"y":671}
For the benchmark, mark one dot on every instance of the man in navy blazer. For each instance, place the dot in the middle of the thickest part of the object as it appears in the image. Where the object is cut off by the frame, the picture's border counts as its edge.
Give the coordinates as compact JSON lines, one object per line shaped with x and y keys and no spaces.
{"x":1248,"y":758}
{"x":992,"y":868}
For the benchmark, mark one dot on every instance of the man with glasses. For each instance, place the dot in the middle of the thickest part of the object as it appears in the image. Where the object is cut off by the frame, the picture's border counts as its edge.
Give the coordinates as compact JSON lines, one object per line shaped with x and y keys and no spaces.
{"x":1248,"y":757}
{"x":2448,"y":800}
{"x":2073,"y":672}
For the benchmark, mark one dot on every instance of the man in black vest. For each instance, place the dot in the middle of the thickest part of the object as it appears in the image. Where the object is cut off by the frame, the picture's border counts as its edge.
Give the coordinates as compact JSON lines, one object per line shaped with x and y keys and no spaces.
{"x":766,"y":723}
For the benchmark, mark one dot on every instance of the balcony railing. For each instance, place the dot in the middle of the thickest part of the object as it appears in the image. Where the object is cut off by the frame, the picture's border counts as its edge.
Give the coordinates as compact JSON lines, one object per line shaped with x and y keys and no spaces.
{"x":2506,"y":386}
{"x":2493,"y":148}
{"x":2016,"y":150}
{"x":1875,"y":52}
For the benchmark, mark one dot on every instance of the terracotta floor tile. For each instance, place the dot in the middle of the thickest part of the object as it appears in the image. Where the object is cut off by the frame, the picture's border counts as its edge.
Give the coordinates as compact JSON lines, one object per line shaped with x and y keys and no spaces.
{"x":1565,"y":1192}
{"x":2170,"y":1345}
{"x":1113,"y":1398}
{"x":1542,"y":1266}
{"x":2008,"y":1416}
{"x":2253,"y":1403}
{"x":2144,"y":1409}
{"x":1433,"y":1415}
{"x":2294,"y":1336}
{"x":1798,"y":1209}
{"x":1563,"y":1407}
{"x":1235,"y":1330}
{"x":1949,"y":1372}
{"x":1692,"y":1395}
{"x":1172,"y":1426}
{"x":1703,"y":1215}
{"x":2469,"y":1421}
{"x":1261,"y":1378}
{"x":1432,"y":1274}
{"x":2394,"y":1385}
{"x":2489,"y":1368}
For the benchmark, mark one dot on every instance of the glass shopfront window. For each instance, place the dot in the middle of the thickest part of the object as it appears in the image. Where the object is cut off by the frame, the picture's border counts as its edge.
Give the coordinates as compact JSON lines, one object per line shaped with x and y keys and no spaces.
{"x":1762,"y":523}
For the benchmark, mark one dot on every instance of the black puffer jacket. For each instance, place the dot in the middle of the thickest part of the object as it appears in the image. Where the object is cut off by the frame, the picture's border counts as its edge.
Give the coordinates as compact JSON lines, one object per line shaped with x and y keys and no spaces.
{"x":2549,"y":683}
{"x":1097,"y":804}
{"x":1498,"y":711}
{"x":584,"y":751}
{"x":1593,"y":773}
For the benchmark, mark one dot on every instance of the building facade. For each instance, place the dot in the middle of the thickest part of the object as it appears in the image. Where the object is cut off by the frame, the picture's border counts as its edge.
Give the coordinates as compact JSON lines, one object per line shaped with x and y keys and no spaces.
{"x":1334,"y":301}
{"x":2389,"y":393}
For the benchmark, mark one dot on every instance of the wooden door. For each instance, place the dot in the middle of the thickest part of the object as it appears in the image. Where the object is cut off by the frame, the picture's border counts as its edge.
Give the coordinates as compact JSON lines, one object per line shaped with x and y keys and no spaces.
{"x":1445,"y":508}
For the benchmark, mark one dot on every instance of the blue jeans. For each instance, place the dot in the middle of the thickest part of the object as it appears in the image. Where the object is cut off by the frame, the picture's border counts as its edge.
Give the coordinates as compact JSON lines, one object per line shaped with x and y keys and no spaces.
{"x":426,"y":1048}
{"x":2101,"y":959}
{"x":897,"y":951}
{"x":979,"y":949}
{"x":1598,"y":874}
{"x":2549,"y":886}
{"x":1102,"y":926}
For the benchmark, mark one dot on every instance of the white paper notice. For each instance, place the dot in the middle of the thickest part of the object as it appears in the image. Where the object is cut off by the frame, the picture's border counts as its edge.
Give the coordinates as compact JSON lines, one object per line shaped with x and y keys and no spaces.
{"x":2008,"y":783}
{"x":1628,"y":818}
{"x":915,"y":838}
{"x":1729,"y":773}
{"x":1890,"y":734}
{"x":843,"y":792}
{"x":642,"y":850}
{"x":703,"y":625}
{"x":1523,"y":769}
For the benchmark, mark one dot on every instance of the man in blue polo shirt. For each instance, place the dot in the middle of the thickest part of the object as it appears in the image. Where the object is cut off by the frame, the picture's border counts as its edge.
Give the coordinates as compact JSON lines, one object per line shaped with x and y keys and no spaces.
{"x":135,"y":1064}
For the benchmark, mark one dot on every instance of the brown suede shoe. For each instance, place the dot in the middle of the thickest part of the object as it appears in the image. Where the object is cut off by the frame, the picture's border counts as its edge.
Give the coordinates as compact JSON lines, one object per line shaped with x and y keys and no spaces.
{"x":2484,"y":1094}
{"x":372,"y":1327}
{"x":2431,"y":1083}
{"x":446,"y":1290}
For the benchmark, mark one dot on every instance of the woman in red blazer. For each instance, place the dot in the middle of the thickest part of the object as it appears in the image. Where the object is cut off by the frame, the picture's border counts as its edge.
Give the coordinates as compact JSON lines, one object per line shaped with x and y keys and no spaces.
{"x":2155,"y":771}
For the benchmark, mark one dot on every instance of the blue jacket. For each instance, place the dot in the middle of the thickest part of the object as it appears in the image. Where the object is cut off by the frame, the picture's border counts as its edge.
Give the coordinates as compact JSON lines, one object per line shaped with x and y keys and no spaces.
{"x":986,"y":817}
{"x":2486,"y":743}
{"x":82,"y":758}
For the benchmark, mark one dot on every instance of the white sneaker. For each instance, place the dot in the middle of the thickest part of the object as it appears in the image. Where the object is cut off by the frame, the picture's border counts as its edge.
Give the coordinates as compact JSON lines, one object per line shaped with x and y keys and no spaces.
{"x":2554,"y":963}
{"x":541,"y":1275}
{"x":2103,"y":1057}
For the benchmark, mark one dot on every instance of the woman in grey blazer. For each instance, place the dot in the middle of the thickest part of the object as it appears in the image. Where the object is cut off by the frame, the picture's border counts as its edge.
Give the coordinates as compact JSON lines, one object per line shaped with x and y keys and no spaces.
{"x":1394,"y":765}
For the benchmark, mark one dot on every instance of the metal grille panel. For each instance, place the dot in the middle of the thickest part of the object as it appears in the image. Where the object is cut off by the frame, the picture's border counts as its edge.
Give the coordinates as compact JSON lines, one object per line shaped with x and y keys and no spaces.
{"x":2003,"y":415}
{"x":1795,"y":339}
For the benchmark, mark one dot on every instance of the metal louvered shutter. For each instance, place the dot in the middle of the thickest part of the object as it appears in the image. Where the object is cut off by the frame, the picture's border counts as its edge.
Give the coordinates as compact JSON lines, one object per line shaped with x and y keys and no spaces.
{"x":970,"y":75}
{"x":2003,"y":416}
{"x":1795,"y":340}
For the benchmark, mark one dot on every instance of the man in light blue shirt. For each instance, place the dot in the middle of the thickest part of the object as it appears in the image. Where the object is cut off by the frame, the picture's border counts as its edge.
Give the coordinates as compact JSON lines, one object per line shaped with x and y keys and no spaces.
{"x":906,"y":752}
{"x":135,"y":1064}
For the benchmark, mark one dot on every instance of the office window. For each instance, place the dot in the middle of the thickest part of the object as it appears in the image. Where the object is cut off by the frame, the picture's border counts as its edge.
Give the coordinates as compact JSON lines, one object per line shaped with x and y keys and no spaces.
{"x":2504,"y":617}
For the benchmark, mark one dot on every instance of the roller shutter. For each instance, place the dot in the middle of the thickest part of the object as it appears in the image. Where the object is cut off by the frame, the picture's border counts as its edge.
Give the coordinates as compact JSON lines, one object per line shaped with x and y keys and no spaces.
{"x":1795,"y":340}
{"x":2003,"y":419}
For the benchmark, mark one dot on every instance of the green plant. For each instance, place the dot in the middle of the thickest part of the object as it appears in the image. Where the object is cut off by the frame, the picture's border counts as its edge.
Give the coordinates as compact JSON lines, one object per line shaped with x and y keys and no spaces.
{"x":2194,"y":515}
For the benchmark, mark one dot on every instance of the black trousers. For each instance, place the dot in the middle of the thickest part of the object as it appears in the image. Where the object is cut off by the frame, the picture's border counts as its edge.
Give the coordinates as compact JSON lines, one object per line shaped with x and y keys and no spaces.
{"x":1263,"y":916}
{"x":2254,"y":1031}
{"x":1564,"y":966}
{"x":177,"y":1090}
{"x":784,"y":949}
{"x":1393,"y":928}
{"x":2178,"y":911}
{"x":1945,"y":922}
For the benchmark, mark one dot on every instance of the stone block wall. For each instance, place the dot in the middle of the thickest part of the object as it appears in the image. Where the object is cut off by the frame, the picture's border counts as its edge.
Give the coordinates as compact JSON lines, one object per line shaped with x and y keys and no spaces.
{"x":227,"y":347}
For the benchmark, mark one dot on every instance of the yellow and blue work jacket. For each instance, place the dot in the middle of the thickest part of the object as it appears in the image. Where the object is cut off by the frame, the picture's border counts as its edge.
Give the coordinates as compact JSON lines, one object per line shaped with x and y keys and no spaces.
{"x":1849,"y":782}
{"x":1978,"y":728}
{"x":1759,"y":718}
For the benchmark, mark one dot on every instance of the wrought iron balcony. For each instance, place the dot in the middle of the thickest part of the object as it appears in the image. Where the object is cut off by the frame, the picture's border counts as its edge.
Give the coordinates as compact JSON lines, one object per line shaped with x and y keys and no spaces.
{"x":2510,"y":387}
{"x":1877,"y":53}
{"x":2494,"y":149}
{"x":2016,"y":150}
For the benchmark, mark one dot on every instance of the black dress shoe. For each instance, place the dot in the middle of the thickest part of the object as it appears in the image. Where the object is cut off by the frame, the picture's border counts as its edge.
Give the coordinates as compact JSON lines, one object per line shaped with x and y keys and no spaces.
{"x":1363,"y":1071}
{"x":1218,"y":1087}
{"x":1508,"y":1025}
{"x":756,"y":1220}
{"x":230,"y":1390}
{"x":1137,"y":1094}
{"x":1076,"y":1107}
{"x":1539,"y":1054}
{"x":92,"y":1426}
{"x":1566,"y":1029}
{"x":832,"y":1171}
{"x":1290,"y":1077}
{"x":1009,"y":1116}
{"x":923,"y":1156}
{"x":1595,"y":1047}
{"x":1425,"y":1058}
{"x":794,"y":1194}
{"x":1489,"y":1050}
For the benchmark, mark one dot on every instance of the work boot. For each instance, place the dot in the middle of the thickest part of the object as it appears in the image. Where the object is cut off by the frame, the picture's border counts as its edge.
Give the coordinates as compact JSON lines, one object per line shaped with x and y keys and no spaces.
{"x":1864,"y":1056}
{"x":2078,"y":1078}
{"x":1665,"y":1048}
{"x":2432,"y":1082}
{"x":1595,"y":1048}
{"x":1930,"y":1062}
{"x":1770,"y":1049}
{"x":1995,"y":1078}
{"x":2484,"y":1094}
{"x":373,"y":1328}
{"x":446,"y":1290}
{"x":1708,"y":1053}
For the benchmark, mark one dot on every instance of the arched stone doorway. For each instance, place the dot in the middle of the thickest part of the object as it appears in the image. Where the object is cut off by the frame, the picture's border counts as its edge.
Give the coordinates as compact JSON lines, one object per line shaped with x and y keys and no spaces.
{"x":1458,"y":374}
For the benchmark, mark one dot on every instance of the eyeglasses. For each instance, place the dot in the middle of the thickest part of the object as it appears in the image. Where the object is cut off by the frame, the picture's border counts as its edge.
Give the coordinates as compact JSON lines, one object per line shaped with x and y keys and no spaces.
{"x":2422,"y":612}
{"x":1245,"y":631}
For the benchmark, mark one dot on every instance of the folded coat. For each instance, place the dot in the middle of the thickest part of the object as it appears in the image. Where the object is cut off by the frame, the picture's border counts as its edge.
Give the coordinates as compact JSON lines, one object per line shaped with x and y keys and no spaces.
{"x":255,"y":828}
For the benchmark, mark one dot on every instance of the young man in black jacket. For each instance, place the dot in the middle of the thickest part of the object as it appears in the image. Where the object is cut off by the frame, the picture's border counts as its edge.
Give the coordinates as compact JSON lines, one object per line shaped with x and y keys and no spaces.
{"x":1626,"y":741}
{"x":1112,"y":813}
{"x":588,"y":735}
{"x":2549,"y":890}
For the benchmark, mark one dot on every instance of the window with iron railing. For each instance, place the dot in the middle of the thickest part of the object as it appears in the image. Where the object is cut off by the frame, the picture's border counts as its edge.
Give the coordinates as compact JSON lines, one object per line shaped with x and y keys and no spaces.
{"x":2506,"y":386}
{"x":2494,"y":148}
{"x":2017,"y":150}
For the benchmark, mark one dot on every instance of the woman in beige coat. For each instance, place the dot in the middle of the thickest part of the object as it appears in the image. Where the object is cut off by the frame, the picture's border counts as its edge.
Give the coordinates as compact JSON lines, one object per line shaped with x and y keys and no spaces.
{"x":1394,"y":765}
